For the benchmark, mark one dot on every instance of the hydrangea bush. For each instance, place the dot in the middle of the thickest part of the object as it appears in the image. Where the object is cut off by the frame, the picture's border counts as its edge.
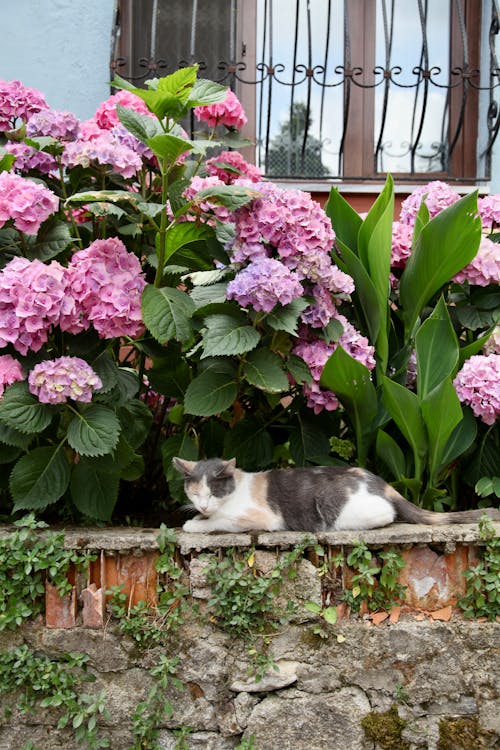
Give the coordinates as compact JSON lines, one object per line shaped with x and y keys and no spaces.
{"x":159,"y":298}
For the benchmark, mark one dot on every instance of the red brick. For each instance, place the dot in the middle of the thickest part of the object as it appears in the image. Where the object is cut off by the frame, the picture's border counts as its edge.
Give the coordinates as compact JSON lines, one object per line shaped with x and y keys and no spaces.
{"x":60,"y":611}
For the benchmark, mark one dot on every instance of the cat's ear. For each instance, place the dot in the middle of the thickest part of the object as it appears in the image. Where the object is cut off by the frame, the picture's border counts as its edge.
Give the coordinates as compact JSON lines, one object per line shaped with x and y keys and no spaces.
{"x":184,"y":466}
{"x":228,"y":468}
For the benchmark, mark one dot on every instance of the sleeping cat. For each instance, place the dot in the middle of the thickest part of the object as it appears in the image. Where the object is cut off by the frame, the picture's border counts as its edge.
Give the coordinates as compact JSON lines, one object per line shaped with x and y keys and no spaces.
{"x":322,"y":498}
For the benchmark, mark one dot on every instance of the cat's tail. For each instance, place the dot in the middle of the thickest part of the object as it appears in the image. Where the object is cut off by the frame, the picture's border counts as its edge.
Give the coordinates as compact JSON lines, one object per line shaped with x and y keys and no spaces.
{"x":407,"y":512}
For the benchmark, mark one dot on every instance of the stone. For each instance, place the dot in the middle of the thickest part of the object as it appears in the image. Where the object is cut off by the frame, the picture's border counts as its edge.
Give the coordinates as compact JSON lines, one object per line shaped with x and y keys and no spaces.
{"x":284,"y":675}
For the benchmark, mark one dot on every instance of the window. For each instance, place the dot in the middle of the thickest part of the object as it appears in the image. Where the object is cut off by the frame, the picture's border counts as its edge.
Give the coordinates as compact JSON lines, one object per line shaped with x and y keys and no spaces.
{"x":337,"y":89}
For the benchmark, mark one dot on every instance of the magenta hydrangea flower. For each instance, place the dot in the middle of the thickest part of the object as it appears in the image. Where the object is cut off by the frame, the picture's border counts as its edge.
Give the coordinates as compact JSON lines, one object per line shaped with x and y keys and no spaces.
{"x":64,"y":126}
{"x":106,"y":150}
{"x":26,"y":202}
{"x":32,"y":295}
{"x":478,"y":385}
{"x":263,"y":284}
{"x":229,"y":166}
{"x":437,"y":195}
{"x":10,"y":371}
{"x":402,"y":236}
{"x":106,"y":282}
{"x":484,"y":268}
{"x":18,"y":102}
{"x":56,"y":381}
{"x":489,"y":211}
{"x":229,"y":112}
{"x":106,"y":117}
{"x":29,"y":158}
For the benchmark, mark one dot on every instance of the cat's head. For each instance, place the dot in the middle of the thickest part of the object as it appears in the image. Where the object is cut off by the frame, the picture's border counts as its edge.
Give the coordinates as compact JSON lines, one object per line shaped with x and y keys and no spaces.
{"x":207,"y":483}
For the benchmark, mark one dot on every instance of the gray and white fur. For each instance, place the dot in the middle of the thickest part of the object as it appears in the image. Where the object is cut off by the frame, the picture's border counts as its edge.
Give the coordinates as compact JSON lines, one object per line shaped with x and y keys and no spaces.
{"x":322,"y":498}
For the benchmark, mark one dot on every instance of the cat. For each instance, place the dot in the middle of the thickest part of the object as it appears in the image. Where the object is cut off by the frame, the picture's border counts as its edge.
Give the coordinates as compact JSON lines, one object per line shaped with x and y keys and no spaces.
{"x":322,"y":498}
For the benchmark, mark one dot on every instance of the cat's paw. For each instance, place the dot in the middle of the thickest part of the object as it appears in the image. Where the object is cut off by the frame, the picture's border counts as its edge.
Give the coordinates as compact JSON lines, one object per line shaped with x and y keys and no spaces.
{"x":193,"y":525}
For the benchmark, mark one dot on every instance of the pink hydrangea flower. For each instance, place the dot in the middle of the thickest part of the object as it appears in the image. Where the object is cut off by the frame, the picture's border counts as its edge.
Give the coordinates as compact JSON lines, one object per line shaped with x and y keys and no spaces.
{"x":29,"y":158}
{"x":56,"y":381}
{"x":489,"y":211}
{"x":492,"y":346}
{"x":32,"y":295}
{"x":437,"y":195}
{"x":229,"y":112}
{"x":106,"y":150}
{"x":229,"y":166}
{"x":18,"y":102}
{"x":106,"y":282}
{"x":402,"y":236}
{"x":26,"y":202}
{"x":63,"y":126}
{"x":206,"y":208}
{"x":263,"y":284}
{"x":478,"y":385}
{"x":10,"y":371}
{"x":106,"y":116}
{"x":484,"y":268}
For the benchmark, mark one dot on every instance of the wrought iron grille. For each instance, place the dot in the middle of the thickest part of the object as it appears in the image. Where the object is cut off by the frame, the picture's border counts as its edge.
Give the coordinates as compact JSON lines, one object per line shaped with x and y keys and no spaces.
{"x":337,"y":89}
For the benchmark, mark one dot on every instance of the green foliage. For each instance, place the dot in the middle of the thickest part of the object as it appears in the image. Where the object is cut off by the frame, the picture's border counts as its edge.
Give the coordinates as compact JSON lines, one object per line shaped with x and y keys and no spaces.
{"x":156,"y":707}
{"x":375,"y":579}
{"x":482,"y":595}
{"x":35,"y":682}
{"x":29,"y":556}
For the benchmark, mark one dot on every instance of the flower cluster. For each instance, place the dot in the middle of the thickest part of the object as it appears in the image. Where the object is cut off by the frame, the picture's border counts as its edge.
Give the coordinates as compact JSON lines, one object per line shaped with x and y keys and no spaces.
{"x":106,"y":116}
{"x":489,"y":211}
{"x":106,"y":282}
{"x":437,"y":195}
{"x":18,"y":102}
{"x":492,"y":346}
{"x":402,"y":236}
{"x":56,"y":381}
{"x":10,"y":371}
{"x":484,"y":268}
{"x":29,"y":158}
{"x":63,"y":126}
{"x":207,"y":209}
{"x":230,"y":166}
{"x":229,"y":112}
{"x":478,"y":385}
{"x":26,"y":202}
{"x":264,"y":284}
{"x":106,"y":150}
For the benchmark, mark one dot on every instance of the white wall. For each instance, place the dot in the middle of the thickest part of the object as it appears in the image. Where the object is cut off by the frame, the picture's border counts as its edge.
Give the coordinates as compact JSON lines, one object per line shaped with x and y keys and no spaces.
{"x":61,"y":47}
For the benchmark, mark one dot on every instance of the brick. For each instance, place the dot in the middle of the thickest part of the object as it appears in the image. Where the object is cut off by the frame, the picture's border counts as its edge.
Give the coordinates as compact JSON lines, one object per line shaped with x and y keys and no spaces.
{"x":60,"y":611}
{"x":136,"y":575}
{"x":93,"y":606}
{"x":433,"y":581}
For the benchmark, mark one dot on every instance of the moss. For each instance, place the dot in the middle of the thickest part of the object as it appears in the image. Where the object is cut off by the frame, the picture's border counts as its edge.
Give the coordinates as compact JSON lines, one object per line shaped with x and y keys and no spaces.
{"x":459,"y":734}
{"x":385,"y":729}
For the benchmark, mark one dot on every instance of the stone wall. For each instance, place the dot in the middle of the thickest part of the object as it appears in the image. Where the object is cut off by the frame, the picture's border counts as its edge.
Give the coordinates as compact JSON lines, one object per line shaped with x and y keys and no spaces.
{"x":419,"y":676}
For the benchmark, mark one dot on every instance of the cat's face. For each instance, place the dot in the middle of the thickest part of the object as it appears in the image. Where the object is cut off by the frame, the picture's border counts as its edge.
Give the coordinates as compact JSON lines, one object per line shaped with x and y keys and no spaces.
{"x":207,"y":483}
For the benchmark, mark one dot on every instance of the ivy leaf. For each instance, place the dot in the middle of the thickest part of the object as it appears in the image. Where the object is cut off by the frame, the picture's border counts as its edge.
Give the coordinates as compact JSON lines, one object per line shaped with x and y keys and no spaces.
{"x":167,"y":312}
{"x":39,"y":478}
{"x":225,"y":336}
{"x":22,"y":411}
{"x":94,"y":490}
{"x":264,"y":370}
{"x":94,"y":431}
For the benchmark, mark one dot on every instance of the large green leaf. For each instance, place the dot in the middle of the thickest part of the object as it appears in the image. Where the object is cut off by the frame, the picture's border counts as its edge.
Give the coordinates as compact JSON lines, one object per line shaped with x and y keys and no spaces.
{"x":230,"y":196}
{"x":206,"y":92}
{"x":14,"y":438}
{"x":181,"y":445}
{"x":345,"y":220}
{"x":264,"y":370}
{"x":167,"y":312}
{"x":308,"y":442}
{"x":94,"y":431}
{"x":136,"y":420}
{"x":460,"y":439}
{"x":404,"y":408}
{"x":22,"y":411}
{"x":444,"y":246}
{"x":442,"y":412}
{"x":39,"y":478}
{"x":53,"y":237}
{"x":365,"y":296}
{"x":225,"y":336}
{"x":167,"y":147}
{"x":350,"y":381}
{"x":389,"y":452}
{"x":250,"y":444}
{"x":94,"y":490}
{"x":184,"y":234}
{"x":169,"y":377}
{"x":140,"y":125}
{"x":437,"y":350}
{"x":210,"y":393}
{"x":287,"y":317}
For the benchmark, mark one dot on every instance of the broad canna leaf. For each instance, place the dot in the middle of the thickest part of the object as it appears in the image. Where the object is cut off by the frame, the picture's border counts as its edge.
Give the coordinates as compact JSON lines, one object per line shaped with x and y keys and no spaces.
{"x":389,"y":452}
{"x":404,"y":408}
{"x":436,"y":344}
{"x":442,"y":412}
{"x":345,"y":220}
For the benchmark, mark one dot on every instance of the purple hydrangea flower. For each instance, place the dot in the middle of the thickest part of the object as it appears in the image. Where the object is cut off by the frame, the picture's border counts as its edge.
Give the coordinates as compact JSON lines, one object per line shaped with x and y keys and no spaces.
{"x":478,"y":385}
{"x":56,"y":381}
{"x":63,"y":126}
{"x":105,"y":149}
{"x":29,"y":158}
{"x":402,"y":236}
{"x":263,"y":284}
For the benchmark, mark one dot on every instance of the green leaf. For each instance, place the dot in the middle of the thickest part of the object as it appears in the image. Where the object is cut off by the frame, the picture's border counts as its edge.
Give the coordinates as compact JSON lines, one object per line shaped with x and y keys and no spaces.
{"x":286,"y":317}
{"x":52,"y":239}
{"x":181,"y":445}
{"x":308,"y":442}
{"x":299,"y":370}
{"x":180,"y":83}
{"x":444,"y":246}
{"x":208,"y":295}
{"x":264,"y":369}
{"x":345,"y":220}
{"x":210,"y":393}
{"x":365,"y":297}
{"x":169,"y":377}
{"x":167,"y":312}
{"x":224,"y":336}
{"x":442,"y":412}
{"x":404,"y":408}
{"x":105,"y":196}
{"x":94,"y":431}
{"x":167,"y":147}
{"x":391,"y":454}
{"x":184,"y":234}
{"x":22,"y":411}
{"x":350,"y":381}
{"x":460,"y":439}
{"x":312,"y":607}
{"x":8,"y":453}
{"x":140,"y":125}
{"x":107,"y":370}
{"x":230,"y":196}
{"x":136,"y":421}
{"x":39,"y":478}
{"x":6,"y":161}
{"x":94,"y":491}
{"x":205,"y":92}
{"x":437,"y":350}
{"x":13,"y":437}
{"x":250,"y":444}
{"x":330,"y":615}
